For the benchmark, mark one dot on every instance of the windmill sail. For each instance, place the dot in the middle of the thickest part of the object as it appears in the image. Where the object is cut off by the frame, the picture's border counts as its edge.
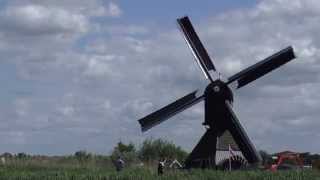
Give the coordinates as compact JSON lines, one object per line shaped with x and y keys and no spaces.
{"x":168,"y":111}
{"x":196,"y":46}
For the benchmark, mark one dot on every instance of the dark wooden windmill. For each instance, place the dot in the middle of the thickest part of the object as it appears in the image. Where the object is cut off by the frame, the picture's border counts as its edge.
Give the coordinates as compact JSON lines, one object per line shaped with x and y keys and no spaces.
{"x":218,"y":99}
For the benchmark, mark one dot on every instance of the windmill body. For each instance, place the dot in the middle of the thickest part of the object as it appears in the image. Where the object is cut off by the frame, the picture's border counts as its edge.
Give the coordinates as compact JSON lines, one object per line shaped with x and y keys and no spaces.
{"x":218,"y":99}
{"x":215,"y":96}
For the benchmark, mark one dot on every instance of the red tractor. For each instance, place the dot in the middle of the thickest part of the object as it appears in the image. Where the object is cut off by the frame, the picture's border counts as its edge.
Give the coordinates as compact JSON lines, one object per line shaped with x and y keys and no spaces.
{"x":287,"y":160}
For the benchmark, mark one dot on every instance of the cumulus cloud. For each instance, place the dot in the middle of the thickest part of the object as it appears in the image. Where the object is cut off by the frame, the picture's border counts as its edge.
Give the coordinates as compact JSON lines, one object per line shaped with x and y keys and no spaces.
{"x":37,"y":20}
{"x":22,"y":107}
{"x":113,"y":10}
{"x":92,"y":84}
{"x":284,"y":100}
{"x":238,"y":39}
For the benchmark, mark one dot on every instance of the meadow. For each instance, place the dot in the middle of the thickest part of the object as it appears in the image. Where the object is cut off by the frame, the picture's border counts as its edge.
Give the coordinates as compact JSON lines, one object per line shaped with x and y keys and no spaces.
{"x":84,"y":172}
{"x":141,"y":164}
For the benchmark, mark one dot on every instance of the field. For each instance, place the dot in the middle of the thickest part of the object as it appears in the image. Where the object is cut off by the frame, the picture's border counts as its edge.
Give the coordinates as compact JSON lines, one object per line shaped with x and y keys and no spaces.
{"x":141,"y":164}
{"x":28,"y":172}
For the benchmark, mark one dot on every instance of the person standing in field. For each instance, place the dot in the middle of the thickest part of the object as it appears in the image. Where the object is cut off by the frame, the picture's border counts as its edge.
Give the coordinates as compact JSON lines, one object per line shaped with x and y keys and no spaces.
{"x":161,"y":165}
{"x":119,"y":164}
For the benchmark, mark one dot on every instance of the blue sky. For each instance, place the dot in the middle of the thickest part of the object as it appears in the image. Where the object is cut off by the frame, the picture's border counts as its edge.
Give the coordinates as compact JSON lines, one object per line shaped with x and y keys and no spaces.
{"x":163,"y":11}
{"x":77,"y":74}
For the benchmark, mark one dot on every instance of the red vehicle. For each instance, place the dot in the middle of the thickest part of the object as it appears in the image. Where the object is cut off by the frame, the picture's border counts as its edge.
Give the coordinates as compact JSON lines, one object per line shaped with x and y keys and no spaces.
{"x":282,"y":158}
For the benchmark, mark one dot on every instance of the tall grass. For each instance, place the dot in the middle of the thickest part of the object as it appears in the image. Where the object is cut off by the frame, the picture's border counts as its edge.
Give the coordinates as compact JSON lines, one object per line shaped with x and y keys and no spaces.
{"x":101,"y":168}
{"x":26,"y":172}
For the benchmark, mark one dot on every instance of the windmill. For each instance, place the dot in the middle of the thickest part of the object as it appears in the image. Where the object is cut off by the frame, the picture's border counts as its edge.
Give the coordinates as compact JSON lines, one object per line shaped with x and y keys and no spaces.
{"x":218,"y":99}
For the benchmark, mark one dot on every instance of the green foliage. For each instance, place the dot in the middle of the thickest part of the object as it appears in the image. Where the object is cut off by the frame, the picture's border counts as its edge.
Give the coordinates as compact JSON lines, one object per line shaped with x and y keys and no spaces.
{"x":85,"y":166}
{"x":7,"y":155}
{"x":154,"y":149}
{"x":26,"y":173}
{"x":126,"y":151}
{"x":83,"y":156}
{"x":22,"y":155}
{"x":309,"y":158}
{"x":123,"y":148}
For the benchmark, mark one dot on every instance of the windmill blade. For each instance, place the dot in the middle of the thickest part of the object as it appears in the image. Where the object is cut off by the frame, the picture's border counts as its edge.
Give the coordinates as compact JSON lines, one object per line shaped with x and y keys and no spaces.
{"x":241,"y":137}
{"x":203,"y":155}
{"x":168,"y":111}
{"x":261,"y":68}
{"x":196,"y":46}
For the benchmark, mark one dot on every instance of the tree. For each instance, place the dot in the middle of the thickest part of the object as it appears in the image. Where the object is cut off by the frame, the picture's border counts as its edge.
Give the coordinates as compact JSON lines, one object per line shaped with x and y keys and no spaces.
{"x":126,"y":151}
{"x":7,"y":155}
{"x":307,"y":158}
{"x":22,"y":155}
{"x":82,"y":156}
{"x":154,"y":149}
{"x":123,"y":148}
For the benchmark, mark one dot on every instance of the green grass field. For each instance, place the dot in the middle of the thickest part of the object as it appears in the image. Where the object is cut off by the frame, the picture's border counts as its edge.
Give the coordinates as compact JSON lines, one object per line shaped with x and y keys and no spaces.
{"x":140,"y":164}
{"x":83,"y":173}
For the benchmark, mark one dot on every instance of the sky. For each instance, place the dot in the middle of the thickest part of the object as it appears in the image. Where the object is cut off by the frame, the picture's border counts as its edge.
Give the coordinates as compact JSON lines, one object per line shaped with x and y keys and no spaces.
{"x":77,"y":74}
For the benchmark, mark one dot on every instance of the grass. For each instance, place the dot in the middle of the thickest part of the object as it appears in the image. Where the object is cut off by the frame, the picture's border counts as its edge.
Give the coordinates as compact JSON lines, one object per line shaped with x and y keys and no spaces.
{"x":33,"y":172}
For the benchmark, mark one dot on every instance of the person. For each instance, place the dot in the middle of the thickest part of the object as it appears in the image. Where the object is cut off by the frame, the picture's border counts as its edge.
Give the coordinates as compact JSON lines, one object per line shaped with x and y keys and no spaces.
{"x":119,"y":164}
{"x":161,"y":165}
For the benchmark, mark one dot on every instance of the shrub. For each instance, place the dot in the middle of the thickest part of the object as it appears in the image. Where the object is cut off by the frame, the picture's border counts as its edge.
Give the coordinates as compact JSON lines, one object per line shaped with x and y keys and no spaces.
{"x":82,"y":156}
{"x":154,"y":149}
{"x":126,"y":151}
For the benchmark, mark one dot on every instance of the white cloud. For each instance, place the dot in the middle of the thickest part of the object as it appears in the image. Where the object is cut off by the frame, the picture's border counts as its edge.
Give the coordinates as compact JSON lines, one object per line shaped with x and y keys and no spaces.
{"x":101,"y":81}
{"x":22,"y":107}
{"x":88,"y":8}
{"x":37,"y":20}
{"x":113,"y":9}
{"x":126,"y":30}
{"x":67,"y":110}
{"x":15,"y":137}
{"x":106,"y":105}
{"x":102,"y":65}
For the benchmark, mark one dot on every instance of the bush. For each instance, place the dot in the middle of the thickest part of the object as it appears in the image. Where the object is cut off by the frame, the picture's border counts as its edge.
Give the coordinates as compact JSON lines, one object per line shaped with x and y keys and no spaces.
{"x":155,"y":149}
{"x":126,"y":151}
{"x":82,"y":156}
{"x":7,"y":155}
{"x":22,"y":155}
